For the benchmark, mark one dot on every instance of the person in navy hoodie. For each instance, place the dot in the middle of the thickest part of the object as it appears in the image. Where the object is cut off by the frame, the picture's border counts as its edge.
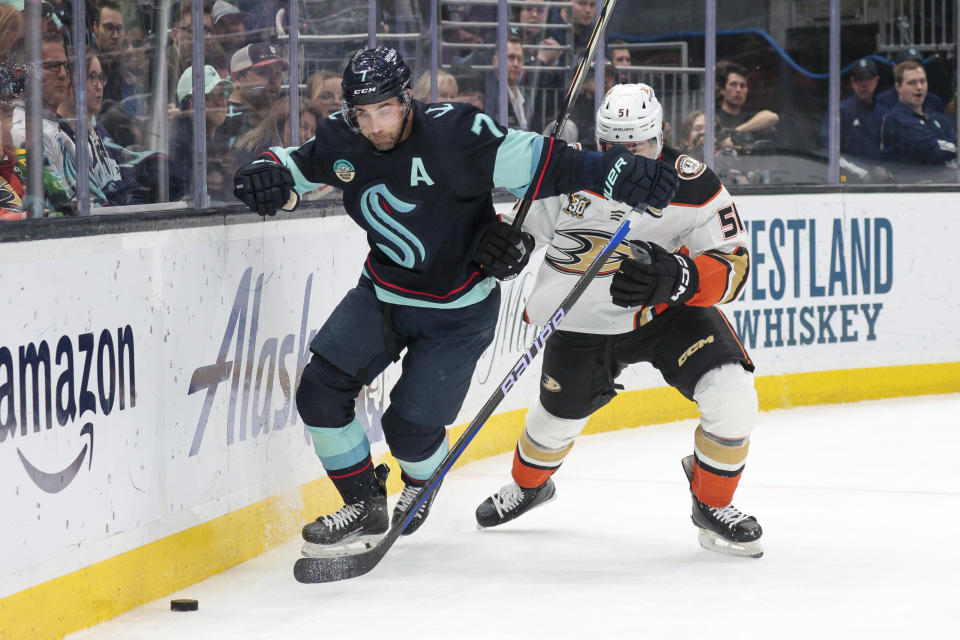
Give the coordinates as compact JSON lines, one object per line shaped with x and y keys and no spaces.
{"x":909,"y":134}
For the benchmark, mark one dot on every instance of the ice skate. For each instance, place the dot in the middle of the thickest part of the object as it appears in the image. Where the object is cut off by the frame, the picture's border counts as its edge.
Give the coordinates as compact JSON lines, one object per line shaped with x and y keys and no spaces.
{"x":724,"y":529}
{"x":355,"y":527}
{"x":409,"y":495}
{"x":512,"y":501}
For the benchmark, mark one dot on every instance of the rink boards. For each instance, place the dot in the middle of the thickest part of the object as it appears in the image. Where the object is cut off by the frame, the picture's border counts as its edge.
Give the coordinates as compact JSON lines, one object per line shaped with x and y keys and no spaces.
{"x":148,"y":436}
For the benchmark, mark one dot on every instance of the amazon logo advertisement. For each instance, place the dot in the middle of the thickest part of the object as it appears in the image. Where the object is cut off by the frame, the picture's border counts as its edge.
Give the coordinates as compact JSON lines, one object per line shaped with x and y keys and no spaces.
{"x":69,"y":385}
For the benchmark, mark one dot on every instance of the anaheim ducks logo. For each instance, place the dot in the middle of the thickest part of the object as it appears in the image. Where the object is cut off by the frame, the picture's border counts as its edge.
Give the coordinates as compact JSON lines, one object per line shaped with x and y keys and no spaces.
{"x":578,"y":248}
{"x":550,"y":384}
{"x":689,"y":168}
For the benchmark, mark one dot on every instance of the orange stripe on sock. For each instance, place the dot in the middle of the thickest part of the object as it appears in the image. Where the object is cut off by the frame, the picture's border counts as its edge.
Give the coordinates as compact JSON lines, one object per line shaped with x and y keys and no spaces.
{"x":711,"y":489}
{"x":526,"y":476}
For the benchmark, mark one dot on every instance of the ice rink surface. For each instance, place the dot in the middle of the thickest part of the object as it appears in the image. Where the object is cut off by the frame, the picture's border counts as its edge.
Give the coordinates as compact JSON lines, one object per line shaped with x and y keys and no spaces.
{"x":859,"y":503}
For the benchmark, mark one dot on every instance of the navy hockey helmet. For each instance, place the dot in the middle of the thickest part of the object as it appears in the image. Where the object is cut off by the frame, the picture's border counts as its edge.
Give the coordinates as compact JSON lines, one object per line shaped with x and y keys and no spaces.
{"x":374,"y":75}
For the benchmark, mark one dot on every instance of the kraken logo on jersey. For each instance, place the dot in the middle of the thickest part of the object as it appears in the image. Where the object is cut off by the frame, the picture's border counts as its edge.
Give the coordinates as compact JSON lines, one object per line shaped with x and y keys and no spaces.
{"x":576,"y":205}
{"x":377,"y":203}
{"x":586,"y":245}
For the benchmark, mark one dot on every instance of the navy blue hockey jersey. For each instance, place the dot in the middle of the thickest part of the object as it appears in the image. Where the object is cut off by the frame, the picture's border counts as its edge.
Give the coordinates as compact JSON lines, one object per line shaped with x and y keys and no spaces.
{"x":423,"y":202}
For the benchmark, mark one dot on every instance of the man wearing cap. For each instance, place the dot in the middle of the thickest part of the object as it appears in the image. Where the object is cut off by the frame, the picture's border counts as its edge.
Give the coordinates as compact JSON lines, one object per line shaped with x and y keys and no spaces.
{"x":216,"y":90}
{"x":257,"y":72}
{"x":228,"y":27}
{"x":908,"y":133}
{"x":860,"y":115}
{"x":889,"y":98}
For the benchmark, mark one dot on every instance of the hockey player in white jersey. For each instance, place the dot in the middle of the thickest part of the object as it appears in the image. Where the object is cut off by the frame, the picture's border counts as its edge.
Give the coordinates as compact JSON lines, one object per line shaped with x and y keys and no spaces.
{"x":654,"y":301}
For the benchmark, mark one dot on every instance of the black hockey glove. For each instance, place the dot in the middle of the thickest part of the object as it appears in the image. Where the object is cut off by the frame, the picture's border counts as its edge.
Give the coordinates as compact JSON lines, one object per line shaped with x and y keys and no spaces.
{"x":264,"y":186}
{"x":635,"y":180}
{"x":501,"y":251}
{"x":653,"y":276}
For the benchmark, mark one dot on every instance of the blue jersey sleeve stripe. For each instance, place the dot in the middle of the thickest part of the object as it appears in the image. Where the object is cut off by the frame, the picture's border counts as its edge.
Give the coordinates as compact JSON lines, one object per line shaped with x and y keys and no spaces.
{"x":300,"y":183}
{"x":517,"y":160}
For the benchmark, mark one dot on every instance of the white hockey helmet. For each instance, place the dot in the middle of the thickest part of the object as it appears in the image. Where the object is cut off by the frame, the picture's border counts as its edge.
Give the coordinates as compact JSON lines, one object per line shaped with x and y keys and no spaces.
{"x":630,"y":113}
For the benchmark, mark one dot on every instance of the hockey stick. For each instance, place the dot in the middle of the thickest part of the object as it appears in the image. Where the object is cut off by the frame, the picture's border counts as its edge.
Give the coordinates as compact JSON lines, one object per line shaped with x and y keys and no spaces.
{"x":335,"y":568}
{"x":572,"y":91}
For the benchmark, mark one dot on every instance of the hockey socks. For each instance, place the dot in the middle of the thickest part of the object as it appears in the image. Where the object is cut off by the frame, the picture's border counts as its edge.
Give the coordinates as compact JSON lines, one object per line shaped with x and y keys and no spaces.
{"x":533,"y":463}
{"x":345,"y":455}
{"x":718,"y":466}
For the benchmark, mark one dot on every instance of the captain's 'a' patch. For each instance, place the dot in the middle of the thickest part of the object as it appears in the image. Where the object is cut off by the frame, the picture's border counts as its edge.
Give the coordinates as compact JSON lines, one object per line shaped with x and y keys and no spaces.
{"x":576,"y":205}
{"x":689,"y":168}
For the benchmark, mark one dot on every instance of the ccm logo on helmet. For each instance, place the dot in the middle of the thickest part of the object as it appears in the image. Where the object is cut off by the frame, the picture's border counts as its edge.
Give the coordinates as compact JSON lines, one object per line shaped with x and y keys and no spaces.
{"x":367,"y":90}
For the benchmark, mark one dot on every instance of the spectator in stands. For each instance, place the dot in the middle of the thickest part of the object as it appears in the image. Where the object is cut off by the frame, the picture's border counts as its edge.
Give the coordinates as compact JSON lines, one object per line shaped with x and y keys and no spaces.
{"x":691,"y":133}
{"x":228,"y":26}
{"x":274,"y":130}
{"x":471,"y":87}
{"x":909,"y":134}
{"x":544,"y":74}
{"x":323,"y":88}
{"x":109,"y":28}
{"x":518,"y":114}
{"x":11,"y":95}
{"x":618,"y":54}
{"x":460,"y":35}
{"x":56,"y":72}
{"x":11,"y":30}
{"x":534,"y":13}
{"x":54,"y":89}
{"x":447,"y":89}
{"x":216,"y":90}
{"x":582,"y":18}
{"x":129,"y":78}
{"x":180,"y":52}
{"x":122,"y":65}
{"x":860,"y":115}
{"x":11,"y":172}
{"x":108,"y":184}
{"x":889,"y":98}
{"x":257,"y":72}
{"x":739,"y":127}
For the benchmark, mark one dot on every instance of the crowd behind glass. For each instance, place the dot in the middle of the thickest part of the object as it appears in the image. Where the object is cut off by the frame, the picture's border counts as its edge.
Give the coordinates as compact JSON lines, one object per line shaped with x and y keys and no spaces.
{"x":897,"y":118}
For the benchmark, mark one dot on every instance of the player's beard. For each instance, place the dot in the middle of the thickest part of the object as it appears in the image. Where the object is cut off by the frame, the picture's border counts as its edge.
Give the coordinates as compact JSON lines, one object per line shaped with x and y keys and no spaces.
{"x":386,"y":143}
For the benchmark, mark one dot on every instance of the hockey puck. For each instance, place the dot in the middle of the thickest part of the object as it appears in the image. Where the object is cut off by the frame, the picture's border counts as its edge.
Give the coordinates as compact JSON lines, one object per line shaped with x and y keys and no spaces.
{"x":184,"y":605}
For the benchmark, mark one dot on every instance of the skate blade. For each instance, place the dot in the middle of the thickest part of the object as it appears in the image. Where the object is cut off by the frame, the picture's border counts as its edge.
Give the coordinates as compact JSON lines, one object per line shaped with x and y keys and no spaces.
{"x":712,"y":542}
{"x":347,"y":548}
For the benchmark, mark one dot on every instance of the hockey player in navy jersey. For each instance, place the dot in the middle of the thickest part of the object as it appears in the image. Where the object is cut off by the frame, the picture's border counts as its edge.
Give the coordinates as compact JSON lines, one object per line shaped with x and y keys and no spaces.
{"x":417,"y":178}
{"x":654,"y":301}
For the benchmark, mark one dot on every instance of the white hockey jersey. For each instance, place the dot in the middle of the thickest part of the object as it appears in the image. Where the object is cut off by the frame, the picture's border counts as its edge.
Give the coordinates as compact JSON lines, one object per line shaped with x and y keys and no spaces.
{"x":702,"y":221}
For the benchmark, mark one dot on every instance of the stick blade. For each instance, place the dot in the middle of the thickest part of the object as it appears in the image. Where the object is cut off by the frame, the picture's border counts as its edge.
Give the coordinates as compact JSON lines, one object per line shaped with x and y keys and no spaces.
{"x":336,"y":568}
